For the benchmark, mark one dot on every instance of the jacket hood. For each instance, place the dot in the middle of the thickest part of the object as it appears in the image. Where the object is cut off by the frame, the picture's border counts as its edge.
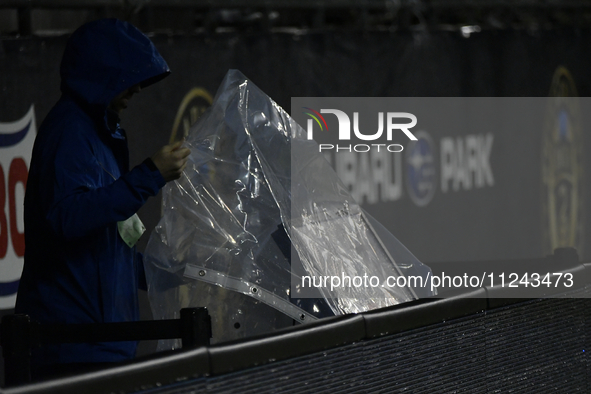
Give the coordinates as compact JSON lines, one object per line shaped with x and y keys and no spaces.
{"x":104,"y":57}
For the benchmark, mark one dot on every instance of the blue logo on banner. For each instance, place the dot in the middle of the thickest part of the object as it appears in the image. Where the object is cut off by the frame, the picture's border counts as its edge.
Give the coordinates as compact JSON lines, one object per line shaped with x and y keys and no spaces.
{"x":8,"y":288}
{"x":421,"y":175}
{"x":12,"y":139}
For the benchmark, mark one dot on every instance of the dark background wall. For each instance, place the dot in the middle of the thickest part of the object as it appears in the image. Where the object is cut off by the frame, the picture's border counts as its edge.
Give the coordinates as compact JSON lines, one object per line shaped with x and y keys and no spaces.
{"x":507,"y":63}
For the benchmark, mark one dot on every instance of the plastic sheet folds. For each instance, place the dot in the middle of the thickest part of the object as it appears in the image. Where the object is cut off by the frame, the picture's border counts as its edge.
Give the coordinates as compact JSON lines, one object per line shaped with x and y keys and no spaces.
{"x":259,"y":227}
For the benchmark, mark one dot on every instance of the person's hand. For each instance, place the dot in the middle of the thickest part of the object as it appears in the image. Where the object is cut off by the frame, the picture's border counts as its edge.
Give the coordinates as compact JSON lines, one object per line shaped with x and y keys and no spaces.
{"x":171,"y":160}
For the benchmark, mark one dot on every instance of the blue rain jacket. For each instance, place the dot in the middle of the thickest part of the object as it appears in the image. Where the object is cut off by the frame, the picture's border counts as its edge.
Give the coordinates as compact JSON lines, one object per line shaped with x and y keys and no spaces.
{"x":77,"y":268}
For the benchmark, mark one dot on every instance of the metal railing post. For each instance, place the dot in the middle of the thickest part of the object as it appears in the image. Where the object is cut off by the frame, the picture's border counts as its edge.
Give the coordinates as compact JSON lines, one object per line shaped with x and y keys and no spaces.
{"x":195,"y":327}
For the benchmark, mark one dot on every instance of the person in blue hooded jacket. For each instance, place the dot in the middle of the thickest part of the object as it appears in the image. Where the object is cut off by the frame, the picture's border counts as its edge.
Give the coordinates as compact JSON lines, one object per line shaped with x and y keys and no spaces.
{"x":81,"y":198}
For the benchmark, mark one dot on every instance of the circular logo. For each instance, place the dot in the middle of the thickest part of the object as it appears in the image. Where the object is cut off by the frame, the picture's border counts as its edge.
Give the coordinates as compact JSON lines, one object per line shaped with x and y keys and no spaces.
{"x":421,"y":174}
{"x":562,"y":166}
{"x":192,"y":107}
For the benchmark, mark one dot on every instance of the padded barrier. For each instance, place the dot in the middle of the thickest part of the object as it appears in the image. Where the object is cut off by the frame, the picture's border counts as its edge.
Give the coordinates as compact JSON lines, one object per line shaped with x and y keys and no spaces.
{"x":467,"y":342}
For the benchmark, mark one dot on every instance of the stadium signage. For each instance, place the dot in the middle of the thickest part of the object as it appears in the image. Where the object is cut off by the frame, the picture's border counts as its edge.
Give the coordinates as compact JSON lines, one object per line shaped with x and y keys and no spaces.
{"x":16,"y":145}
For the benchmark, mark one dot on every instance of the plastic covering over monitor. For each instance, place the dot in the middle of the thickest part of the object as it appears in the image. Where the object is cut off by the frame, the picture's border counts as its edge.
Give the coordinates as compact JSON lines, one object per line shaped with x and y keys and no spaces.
{"x":259,"y":227}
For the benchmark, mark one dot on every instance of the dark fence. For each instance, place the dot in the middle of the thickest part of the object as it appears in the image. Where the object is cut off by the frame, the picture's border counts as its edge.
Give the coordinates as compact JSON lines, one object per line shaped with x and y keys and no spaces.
{"x":467,"y":342}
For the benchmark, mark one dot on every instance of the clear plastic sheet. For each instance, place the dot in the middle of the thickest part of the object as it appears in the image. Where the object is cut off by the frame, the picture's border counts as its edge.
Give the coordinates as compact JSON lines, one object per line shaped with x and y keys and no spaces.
{"x":255,"y":199}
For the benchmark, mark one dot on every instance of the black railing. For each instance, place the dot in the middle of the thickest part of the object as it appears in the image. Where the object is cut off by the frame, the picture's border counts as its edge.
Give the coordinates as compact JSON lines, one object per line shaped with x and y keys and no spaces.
{"x":19,"y":335}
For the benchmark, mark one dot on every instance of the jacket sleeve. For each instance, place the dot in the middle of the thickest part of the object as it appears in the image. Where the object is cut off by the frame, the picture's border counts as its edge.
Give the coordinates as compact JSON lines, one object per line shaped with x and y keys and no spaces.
{"x":81,"y":203}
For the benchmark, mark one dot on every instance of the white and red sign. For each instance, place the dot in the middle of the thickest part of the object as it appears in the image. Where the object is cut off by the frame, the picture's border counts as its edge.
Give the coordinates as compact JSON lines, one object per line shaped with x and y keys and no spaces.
{"x":16,"y":147}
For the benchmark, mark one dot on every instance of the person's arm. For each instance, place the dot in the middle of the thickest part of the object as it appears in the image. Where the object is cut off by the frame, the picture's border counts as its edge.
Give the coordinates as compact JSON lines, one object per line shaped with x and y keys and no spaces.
{"x":80,"y":206}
